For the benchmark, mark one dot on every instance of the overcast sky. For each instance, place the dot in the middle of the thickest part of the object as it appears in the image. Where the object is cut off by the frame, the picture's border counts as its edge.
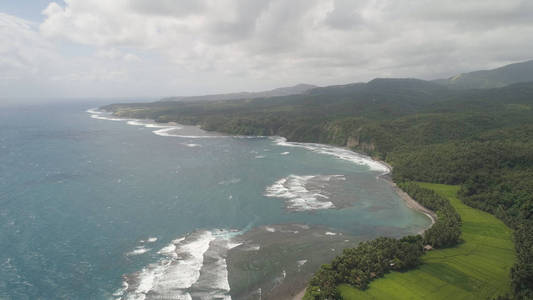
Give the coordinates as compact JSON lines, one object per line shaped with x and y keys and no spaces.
{"x":121,"y":48}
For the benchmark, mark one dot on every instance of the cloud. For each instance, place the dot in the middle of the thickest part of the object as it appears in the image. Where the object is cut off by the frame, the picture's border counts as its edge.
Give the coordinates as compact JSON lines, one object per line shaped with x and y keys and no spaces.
{"x":115,"y":54}
{"x":16,"y":58}
{"x":199,"y":46}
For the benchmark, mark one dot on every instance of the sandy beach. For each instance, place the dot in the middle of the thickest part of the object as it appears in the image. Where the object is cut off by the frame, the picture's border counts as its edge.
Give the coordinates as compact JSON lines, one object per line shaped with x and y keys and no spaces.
{"x":409,"y":201}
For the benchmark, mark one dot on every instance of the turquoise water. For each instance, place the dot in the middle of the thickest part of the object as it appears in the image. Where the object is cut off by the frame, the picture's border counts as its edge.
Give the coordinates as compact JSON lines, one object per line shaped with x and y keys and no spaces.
{"x":78,"y":194}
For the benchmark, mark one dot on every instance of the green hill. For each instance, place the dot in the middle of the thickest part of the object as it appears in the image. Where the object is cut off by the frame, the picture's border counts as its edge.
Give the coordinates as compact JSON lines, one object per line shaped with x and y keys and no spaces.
{"x":500,"y":77}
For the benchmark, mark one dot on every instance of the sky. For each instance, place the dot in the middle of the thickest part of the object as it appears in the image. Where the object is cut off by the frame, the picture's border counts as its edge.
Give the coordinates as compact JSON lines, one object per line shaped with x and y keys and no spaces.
{"x":158,"y":48}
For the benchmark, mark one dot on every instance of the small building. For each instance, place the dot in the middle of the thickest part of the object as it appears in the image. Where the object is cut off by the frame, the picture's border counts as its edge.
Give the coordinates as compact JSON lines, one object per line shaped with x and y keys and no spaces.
{"x":428,"y":248}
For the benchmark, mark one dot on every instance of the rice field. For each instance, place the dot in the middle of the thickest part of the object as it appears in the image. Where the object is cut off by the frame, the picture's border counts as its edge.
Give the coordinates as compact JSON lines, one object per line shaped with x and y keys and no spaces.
{"x":478,"y":268}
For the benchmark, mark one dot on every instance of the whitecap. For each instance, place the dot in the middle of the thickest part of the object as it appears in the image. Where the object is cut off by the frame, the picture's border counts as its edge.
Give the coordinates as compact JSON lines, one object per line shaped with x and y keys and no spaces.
{"x":253,"y":248}
{"x":152,"y":125}
{"x":120,"y":291}
{"x":229,"y":181}
{"x":284,"y":153}
{"x":136,"y":123}
{"x":191,"y":145}
{"x":270,"y":229}
{"x":191,"y":266}
{"x":337,"y":152}
{"x":93,"y":111}
{"x":330,"y":233}
{"x":151,"y":239}
{"x":100,"y":117}
{"x":299,"y":198}
{"x":169,"y":250}
{"x":138,"y":251}
{"x":165,"y":131}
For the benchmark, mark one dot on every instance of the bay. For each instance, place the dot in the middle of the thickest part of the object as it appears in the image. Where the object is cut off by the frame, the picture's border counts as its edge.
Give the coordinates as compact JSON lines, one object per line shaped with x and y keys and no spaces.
{"x":87,"y":202}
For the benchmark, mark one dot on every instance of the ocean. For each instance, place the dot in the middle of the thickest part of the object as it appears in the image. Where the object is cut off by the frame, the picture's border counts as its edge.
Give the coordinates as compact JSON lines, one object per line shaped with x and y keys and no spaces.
{"x":93,"y":207}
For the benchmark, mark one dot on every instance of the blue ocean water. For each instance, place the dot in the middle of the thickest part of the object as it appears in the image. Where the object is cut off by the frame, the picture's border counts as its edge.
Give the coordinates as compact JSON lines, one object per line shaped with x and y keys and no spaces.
{"x":78,"y":194}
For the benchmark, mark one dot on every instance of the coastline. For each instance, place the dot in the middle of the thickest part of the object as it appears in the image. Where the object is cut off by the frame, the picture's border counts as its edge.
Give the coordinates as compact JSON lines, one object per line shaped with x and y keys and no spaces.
{"x":409,"y":201}
{"x":387,"y":169}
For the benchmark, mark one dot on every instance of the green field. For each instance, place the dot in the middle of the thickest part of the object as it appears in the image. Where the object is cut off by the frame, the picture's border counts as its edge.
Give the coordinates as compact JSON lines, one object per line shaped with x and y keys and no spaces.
{"x":478,"y":268}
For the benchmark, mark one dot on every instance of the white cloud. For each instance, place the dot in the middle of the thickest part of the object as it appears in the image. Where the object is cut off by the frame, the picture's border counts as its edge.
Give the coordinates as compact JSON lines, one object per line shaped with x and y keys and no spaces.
{"x":17,"y":58}
{"x":185,"y":47}
{"x":115,"y":54}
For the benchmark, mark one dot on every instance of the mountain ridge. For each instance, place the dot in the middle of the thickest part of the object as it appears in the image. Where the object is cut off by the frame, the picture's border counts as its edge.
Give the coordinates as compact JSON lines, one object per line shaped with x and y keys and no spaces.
{"x":493,"y":78}
{"x":277,"y":92}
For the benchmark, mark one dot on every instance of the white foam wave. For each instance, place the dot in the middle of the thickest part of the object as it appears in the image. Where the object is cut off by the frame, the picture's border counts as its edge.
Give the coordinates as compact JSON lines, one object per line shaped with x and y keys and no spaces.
{"x":169,"y":250}
{"x":285,"y":153}
{"x":230,"y":181}
{"x":165,"y":131}
{"x":259,"y":156}
{"x":151,"y":239}
{"x":270,"y":229}
{"x":337,"y":152}
{"x":191,"y":266}
{"x":330,"y":233}
{"x":120,"y":291}
{"x":194,"y":136}
{"x":138,"y":251}
{"x":299,"y":198}
{"x":253,"y":248}
{"x":93,"y":111}
{"x":191,"y":145}
{"x":100,"y":117}
{"x":301,"y":262}
{"x":136,"y":123}
{"x":152,"y":125}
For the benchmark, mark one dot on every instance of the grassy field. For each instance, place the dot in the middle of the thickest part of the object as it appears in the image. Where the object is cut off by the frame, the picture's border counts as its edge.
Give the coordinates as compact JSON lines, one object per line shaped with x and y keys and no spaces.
{"x":478,"y":268}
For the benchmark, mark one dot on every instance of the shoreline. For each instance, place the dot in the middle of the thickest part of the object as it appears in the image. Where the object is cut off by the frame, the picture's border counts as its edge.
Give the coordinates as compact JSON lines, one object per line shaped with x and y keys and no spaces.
{"x":410,"y":202}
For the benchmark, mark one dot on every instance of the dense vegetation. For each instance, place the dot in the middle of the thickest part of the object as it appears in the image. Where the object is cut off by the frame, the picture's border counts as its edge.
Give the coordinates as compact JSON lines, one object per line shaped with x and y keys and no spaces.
{"x":476,"y":268}
{"x":514,"y":73}
{"x":479,"y":139}
{"x":373,"y":259}
{"x":370,"y":260}
{"x":447,"y":228}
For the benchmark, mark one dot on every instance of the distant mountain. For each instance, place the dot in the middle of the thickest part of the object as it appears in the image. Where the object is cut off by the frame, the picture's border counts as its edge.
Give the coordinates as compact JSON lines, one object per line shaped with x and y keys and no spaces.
{"x":283,"y":91}
{"x":377,"y":99}
{"x":500,"y":77}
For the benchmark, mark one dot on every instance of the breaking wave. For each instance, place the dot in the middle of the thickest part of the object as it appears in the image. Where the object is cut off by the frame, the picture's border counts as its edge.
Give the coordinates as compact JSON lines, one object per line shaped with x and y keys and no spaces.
{"x":337,"y":152}
{"x":193,"y":266}
{"x":303,"y":192}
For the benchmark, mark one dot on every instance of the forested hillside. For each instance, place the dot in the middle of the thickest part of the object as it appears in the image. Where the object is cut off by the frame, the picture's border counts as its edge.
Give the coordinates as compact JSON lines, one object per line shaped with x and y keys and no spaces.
{"x":499,"y":77}
{"x":479,"y":139}
{"x":284,"y":91}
